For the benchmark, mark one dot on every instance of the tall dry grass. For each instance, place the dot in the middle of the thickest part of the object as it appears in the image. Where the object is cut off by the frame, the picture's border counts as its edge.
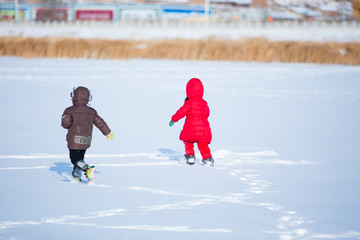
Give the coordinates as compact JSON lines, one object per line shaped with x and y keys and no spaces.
{"x":257,"y":49}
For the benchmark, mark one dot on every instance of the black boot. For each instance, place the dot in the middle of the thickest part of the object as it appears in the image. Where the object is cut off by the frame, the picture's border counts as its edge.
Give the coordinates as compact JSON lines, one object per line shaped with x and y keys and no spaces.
{"x":76,"y":176}
{"x":190,"y":159}
{"x":208,"y":161}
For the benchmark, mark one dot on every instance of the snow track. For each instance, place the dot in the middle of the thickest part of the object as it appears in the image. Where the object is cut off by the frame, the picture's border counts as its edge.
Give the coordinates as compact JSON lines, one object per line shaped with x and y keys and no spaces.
{"x":233,"y":171}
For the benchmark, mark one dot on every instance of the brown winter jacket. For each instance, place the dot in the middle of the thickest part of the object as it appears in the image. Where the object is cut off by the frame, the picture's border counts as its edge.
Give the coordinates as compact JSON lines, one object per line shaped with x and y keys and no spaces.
{"x":79,"y":120}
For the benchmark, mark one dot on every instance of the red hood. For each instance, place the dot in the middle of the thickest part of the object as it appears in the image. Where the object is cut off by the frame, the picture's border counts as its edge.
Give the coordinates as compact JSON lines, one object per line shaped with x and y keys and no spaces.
{"x":194,"y":88}
{"x":81,"y":96}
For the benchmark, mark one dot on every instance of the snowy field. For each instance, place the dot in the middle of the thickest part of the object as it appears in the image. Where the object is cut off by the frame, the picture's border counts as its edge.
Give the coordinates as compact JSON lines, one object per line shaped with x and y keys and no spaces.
{"x":273,"y":32}
{"x":285,"y":142}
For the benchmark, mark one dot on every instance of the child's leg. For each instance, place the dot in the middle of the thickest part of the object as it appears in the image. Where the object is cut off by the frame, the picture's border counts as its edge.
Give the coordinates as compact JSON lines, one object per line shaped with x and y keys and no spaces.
{"x":189,"y":148}
{"x":204,"y":150}
{"x":77,"y":159}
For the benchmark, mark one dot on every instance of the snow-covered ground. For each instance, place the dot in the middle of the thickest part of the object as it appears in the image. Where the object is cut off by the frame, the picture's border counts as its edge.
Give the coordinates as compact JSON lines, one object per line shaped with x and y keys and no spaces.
{"x":285,"y":142}
{"x":273,"y":32}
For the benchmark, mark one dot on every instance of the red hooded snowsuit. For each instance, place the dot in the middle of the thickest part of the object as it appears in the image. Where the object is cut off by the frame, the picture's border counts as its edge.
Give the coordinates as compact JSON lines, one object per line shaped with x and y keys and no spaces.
{"x":196,"y":110}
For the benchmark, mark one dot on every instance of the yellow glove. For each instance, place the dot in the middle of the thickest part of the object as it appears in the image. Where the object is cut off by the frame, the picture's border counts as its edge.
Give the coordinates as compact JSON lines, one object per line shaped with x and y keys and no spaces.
{"x":109,"y":136}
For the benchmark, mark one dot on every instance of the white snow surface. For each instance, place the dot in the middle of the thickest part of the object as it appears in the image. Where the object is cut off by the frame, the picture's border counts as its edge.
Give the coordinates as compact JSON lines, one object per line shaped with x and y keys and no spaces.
{"x":285,"y":143}
{"x":273,"y":32}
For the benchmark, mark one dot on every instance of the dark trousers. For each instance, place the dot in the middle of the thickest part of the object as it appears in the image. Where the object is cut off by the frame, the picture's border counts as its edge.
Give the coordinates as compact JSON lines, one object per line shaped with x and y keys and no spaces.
{"x":77,"y":159}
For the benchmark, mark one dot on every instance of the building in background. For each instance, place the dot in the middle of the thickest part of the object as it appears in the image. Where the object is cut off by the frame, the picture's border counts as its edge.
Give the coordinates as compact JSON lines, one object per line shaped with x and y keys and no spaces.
{"x":259,"y":3}
{"x":180,"y":10}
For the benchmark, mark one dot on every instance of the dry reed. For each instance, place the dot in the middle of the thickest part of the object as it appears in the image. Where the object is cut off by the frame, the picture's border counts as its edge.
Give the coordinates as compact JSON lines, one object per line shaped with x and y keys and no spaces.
{"x":257,"y":49}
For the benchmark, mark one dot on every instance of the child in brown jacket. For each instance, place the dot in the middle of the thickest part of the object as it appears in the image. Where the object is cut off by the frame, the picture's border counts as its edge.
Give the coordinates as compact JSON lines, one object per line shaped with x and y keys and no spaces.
{"x":79,"y":120}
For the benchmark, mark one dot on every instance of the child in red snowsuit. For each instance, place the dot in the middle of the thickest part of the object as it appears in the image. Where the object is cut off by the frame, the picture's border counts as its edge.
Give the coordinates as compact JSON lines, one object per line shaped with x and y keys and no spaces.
{"x":196,"y":128}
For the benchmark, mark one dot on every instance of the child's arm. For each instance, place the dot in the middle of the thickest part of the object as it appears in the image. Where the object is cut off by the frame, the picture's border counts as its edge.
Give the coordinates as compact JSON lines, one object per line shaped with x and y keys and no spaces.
{"x":67,"y":119}
{"x":181,"y":112}
{"x":101,"y":125}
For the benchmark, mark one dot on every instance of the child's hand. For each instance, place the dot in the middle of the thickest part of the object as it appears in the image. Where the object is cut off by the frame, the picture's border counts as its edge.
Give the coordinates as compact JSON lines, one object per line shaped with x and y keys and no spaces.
{"x":171,"y":123}
{"x":109,"y":136}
